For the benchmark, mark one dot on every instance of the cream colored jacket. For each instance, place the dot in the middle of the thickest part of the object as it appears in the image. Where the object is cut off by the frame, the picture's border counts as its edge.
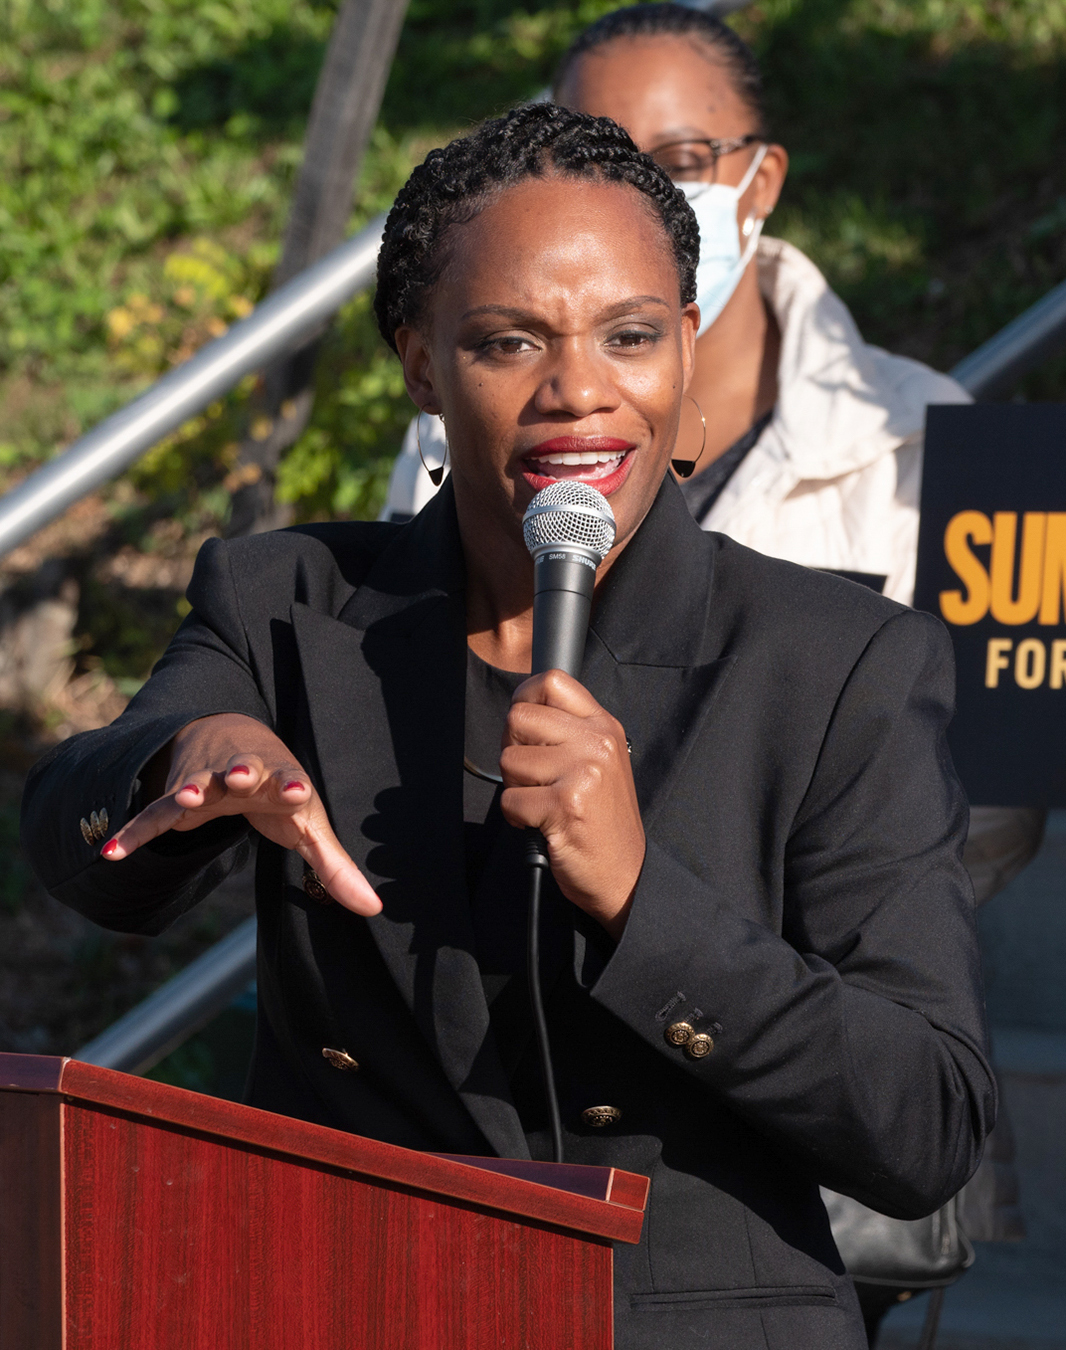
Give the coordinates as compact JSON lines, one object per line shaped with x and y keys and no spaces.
{"x":834,"y":480}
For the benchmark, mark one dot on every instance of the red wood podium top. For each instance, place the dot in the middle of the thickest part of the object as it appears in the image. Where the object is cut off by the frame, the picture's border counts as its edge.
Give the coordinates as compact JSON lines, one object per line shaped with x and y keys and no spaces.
{"x":136,"y":1214}
{"x":598,"y":1201}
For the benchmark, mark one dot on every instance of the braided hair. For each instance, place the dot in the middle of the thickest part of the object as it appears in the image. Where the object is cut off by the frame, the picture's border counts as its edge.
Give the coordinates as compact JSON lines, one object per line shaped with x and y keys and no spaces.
{"x":672,"y":20}
{"x":453,"y":185}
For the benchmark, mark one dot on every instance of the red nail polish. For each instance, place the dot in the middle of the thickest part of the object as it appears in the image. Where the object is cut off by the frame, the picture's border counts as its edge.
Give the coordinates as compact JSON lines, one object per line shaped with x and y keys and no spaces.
{"x":191,"y":787}
{"x":240,"y":768}
{"x":109,"y":848}
{"x":294,"y":784}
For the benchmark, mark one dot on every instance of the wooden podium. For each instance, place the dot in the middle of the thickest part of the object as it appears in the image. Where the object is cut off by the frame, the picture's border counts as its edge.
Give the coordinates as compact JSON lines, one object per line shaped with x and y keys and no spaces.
{"x":137,"y":1216}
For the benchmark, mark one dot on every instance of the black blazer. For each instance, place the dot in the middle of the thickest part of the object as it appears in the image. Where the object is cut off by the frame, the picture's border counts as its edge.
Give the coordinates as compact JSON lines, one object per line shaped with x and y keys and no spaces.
{"x":802,"y":900}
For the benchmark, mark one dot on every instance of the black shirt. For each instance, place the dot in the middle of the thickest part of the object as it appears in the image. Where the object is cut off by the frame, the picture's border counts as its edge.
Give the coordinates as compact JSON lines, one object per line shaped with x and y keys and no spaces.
{"x":493,"y":849}
{"x":497,"y":878}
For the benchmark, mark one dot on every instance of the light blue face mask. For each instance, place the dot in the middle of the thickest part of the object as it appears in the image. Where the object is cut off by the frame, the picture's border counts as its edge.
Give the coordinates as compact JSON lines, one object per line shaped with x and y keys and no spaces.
{"x":721,"y":263}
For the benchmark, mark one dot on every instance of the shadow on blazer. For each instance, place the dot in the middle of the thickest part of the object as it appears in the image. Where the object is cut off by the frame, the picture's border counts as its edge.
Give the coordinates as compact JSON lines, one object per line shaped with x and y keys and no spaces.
{"x":802,"y":899}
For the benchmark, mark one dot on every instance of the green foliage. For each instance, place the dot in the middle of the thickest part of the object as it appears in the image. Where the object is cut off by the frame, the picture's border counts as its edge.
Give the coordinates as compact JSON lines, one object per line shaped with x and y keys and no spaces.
{"x":340,"y":465}
{"x":463,"y":60}
{"x":129,"y":628}
{"x":928,"y":179}
{"x":97,"y":176}
{"x":148,"y":150}
{"x":99,"y":184}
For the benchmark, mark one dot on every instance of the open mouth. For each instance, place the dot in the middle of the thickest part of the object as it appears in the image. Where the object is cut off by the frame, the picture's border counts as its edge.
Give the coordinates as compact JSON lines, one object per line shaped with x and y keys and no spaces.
{"x":601,"y":462}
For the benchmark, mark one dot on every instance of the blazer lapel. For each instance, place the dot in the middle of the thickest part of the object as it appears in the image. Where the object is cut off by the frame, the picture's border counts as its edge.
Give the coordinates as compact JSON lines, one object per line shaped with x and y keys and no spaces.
{"x":386,"y":684}
{"x":654,"y":657}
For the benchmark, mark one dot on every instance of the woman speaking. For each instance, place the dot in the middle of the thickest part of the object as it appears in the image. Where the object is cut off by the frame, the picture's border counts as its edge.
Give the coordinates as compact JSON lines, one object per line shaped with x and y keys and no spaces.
{"x":758,"y":958}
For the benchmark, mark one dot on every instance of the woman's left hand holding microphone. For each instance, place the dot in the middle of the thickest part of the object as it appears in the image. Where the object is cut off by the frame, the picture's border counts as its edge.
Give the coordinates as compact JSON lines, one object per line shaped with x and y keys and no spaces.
{"x":230,"y":765}
{"x":566,"y":771}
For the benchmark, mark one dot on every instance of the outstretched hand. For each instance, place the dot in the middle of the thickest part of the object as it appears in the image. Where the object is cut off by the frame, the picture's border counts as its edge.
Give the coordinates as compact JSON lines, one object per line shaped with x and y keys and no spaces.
{"x":231,"y":765}
{"x":566,"y":771}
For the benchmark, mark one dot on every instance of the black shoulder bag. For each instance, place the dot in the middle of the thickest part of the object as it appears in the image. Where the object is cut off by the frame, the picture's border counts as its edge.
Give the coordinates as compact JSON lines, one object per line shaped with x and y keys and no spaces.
{"x":928,"y":1253}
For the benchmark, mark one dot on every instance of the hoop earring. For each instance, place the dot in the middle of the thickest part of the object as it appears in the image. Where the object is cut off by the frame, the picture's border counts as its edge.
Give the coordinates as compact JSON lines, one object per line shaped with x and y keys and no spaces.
{"x":436,"y":476}
{"x":684,"y":468}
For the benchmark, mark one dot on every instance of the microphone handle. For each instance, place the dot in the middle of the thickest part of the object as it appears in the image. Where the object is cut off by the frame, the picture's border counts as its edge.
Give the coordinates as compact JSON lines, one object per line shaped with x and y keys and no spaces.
{"x":563,"y":582}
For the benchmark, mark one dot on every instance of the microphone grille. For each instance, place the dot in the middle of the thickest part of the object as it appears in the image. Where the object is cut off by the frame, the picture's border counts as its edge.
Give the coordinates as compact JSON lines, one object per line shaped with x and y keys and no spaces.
{"x":569,"y":512}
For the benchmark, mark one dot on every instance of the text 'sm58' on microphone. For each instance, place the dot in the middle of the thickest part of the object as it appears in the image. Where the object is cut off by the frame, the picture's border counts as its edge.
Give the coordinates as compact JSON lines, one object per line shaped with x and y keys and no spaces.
{"x":569,"y":529}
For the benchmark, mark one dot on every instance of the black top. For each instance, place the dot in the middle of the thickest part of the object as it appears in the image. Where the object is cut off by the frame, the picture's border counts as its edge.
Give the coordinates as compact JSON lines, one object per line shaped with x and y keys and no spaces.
{"x":488,"y":697}
{"x":703,"y":491}
{"x":497,"y":879}
{"x":497,"y":908}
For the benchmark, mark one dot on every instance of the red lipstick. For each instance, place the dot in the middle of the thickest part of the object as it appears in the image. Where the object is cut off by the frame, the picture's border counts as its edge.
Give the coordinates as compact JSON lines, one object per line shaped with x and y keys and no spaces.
{"x":606,"y":466}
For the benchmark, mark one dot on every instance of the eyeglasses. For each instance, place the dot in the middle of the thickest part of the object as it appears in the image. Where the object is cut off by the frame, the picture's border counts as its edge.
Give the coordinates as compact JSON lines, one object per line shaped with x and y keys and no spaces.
{"x":687,"y":161}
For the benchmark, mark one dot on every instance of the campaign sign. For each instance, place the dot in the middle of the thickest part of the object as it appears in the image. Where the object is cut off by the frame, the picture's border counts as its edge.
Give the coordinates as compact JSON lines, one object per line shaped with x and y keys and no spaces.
{"x":992,"y":566}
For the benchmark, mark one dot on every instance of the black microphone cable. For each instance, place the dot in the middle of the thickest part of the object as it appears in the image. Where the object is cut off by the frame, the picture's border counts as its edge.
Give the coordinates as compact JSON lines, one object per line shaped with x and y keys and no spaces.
{"x":537,"y":864}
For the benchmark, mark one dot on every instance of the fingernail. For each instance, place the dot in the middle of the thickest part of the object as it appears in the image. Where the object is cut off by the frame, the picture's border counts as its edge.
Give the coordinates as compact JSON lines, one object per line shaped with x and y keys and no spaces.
{"x":294,"y":784}
{"x":191,"y":787}
{"x":110,"y":847}
{"x":240,"y":768}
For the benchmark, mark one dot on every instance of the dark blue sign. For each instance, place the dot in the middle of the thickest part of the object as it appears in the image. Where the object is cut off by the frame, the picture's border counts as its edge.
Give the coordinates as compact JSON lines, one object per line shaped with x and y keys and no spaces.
{"x":992,"y":566}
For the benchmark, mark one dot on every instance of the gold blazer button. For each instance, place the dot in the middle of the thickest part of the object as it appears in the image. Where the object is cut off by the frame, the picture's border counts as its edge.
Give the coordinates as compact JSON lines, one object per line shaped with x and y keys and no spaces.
{"x":94,"y":829}
{"x":313,"y":887}
{"x":699,"y":1046}
{"x":599,"y":1116}
{"x":340,"y":1059}
{"x":679,"y":1033}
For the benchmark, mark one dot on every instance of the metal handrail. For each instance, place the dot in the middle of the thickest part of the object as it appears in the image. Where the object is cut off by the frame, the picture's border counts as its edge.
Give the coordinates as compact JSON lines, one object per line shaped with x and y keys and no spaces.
{"x":998,"y":364}
{"x":179,"y":1008}
{"x":291,"y":314}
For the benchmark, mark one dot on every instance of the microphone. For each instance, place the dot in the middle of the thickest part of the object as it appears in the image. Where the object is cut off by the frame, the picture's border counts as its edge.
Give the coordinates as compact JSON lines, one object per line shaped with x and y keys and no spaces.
{"x":569,"y":528}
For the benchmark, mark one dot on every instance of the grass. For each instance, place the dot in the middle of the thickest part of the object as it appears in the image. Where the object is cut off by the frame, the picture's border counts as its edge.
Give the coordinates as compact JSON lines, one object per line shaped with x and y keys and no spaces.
{"x":148,"y":150}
